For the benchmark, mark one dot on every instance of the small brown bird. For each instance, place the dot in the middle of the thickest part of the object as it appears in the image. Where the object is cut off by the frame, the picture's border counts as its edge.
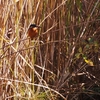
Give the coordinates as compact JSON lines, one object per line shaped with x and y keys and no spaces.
{"x":33,"y":31}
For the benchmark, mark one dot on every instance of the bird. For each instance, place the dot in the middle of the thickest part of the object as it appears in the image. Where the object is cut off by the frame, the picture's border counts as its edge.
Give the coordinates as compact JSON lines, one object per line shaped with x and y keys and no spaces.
{"x":33,"y":31}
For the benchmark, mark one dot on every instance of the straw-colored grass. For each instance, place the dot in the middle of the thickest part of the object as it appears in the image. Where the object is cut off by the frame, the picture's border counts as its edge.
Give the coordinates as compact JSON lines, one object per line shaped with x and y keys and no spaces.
{"x":62,"y":63}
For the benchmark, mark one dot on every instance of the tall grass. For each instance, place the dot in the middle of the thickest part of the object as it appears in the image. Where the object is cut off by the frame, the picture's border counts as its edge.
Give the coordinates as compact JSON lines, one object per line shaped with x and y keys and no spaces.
{"x":62,"y":63}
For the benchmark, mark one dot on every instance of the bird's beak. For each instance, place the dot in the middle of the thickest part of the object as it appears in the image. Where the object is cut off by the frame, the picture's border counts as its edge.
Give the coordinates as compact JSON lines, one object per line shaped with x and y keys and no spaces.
{"x":38,"y":26}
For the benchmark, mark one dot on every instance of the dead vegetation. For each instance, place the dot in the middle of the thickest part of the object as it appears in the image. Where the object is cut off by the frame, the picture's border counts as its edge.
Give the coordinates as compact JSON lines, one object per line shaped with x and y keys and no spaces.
{"x":62,"y":63}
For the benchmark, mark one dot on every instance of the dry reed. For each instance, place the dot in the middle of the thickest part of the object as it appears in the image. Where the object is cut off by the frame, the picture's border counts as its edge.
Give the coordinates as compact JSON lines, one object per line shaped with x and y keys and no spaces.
{"x":62,"y":63}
